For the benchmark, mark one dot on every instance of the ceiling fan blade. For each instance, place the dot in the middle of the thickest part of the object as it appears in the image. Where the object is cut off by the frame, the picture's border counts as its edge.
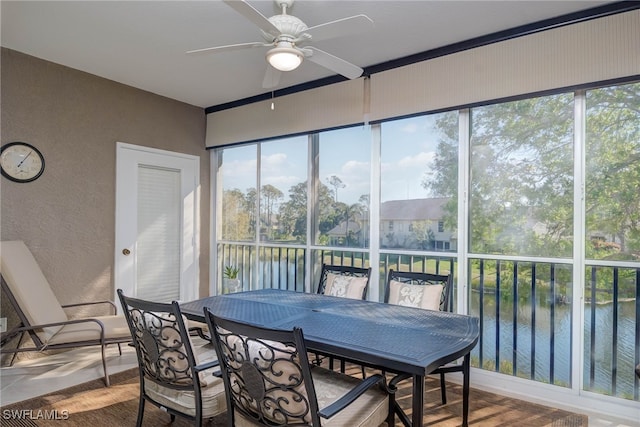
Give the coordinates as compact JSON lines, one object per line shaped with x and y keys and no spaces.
{"x":334,"y":63}
{"x":229,"y":47}
{"x":271,"y":78}
{"x":340,"y":27}
{"x":253,"y":15}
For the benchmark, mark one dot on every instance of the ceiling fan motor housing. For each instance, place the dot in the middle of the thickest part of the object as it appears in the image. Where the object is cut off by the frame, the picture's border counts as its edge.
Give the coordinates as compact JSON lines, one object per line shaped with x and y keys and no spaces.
{"x":288,"y":25}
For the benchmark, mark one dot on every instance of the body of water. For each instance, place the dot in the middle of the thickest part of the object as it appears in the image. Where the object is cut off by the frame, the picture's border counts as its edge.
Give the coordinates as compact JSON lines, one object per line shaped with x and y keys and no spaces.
{"x":539,"y":347}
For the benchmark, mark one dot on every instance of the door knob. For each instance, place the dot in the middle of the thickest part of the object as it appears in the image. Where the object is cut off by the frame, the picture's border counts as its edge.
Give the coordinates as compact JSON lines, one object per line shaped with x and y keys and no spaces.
{"x":126,"y":251}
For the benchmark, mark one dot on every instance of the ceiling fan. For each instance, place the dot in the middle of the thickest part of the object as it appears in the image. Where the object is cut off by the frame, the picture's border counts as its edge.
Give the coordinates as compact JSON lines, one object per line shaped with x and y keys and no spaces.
{"x":288,"y":38}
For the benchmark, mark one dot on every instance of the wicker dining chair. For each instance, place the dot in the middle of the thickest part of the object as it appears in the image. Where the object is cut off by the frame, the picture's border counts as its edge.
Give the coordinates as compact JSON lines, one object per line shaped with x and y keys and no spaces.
{"x":427,"y":291}
{"x":269,"y":381}
{"x":343,"y":281}
{"x":174,"y":375}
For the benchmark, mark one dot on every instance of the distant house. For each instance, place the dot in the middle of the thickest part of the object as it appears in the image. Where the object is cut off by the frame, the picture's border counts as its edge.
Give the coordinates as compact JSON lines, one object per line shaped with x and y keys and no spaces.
{"x":415,"y":224}
{"x":338,"y":234}
{"x":406,"y":224}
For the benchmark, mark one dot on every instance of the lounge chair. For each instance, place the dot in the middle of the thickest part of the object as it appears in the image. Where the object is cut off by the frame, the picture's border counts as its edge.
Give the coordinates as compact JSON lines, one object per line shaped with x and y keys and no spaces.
{"x":43,"y":317}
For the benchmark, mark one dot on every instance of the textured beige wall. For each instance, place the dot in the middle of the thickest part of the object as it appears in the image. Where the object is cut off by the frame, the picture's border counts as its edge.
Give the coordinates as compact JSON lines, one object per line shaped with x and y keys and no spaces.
{"x":67,"y":216}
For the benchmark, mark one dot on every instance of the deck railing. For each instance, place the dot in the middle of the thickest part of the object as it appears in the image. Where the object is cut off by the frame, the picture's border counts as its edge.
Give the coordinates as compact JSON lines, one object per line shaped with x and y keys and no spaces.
{"x":612,"y":330}
{"x":525,"y":318}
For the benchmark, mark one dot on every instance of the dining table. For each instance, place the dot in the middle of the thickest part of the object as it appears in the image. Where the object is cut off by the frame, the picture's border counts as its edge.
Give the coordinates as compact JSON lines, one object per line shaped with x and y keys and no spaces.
{"x":406,"y":341}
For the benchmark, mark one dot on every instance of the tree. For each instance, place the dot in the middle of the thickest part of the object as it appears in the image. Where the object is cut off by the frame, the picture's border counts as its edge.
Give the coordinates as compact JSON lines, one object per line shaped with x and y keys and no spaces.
{"x":613,"y":170}
{"x":336,"y":183}
{"x":293,"y":213}
{"x":235,"y":217}
{"x":423,"y":235}
{"x":444,"y":183}
{"x":521,"y":194}
{"x":250,"y":205}
{"x":269,"y":198}
{"x":351,"y":213}
{"x":522,"y":175}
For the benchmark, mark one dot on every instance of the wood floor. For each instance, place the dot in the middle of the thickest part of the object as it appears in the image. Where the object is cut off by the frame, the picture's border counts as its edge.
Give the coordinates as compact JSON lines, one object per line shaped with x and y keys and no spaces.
{"x":486,"y":409}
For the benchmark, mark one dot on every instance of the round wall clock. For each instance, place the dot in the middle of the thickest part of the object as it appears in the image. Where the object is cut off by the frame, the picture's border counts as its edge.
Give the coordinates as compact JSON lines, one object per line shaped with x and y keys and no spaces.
{"x":21,"y":162}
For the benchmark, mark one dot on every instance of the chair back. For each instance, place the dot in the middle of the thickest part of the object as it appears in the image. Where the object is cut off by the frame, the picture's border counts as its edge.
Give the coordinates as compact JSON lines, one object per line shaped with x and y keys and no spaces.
{"x":422,"y":290}
{"x":163,"y":346}
{"x":266,"y":374}
{"x":29,"y":291}
{"x":344,"y":281}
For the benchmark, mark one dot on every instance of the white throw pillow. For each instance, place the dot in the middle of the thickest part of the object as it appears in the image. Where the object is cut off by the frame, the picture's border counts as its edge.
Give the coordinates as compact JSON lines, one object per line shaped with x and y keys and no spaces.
{"x":420,"y":296}
{"x":345,"y":286}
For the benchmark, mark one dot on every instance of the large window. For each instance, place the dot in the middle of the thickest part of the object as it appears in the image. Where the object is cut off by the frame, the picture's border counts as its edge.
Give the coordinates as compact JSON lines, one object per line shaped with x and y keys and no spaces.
{"x":283,"y":190}
{"x":537,"y":255}
{"x":344,"y":176}
{"x":237,"y":210}
{"x":521,"y":206}
{"x":613,"y":173}
{"x":612,"y":240}
{"x":522,"y":177}
{"x":419,"y":183}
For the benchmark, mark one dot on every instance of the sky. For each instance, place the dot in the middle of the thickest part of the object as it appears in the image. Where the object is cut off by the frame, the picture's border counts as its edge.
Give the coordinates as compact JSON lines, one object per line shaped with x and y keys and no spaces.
{"x":407,"y":153}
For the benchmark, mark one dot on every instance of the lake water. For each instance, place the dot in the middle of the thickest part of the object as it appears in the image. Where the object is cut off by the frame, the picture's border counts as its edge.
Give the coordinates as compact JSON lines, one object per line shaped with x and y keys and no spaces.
{"x":556,"y":352}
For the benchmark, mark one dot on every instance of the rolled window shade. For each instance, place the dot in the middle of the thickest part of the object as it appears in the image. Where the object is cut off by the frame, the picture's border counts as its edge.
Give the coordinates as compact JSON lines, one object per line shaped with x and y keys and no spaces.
{"x":326,"y":107}
{"x":591,"y":51}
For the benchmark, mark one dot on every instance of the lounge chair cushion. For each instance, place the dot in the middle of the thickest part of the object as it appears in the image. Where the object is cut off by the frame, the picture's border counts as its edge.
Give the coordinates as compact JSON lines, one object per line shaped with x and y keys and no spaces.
{"x":40,"y":306}
{"x":30,"y":288}
{"x":420,"y":296}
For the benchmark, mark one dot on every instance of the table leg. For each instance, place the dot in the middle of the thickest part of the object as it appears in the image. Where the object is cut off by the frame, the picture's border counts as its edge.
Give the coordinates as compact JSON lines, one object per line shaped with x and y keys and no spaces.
{"x":418,"y":401}
{"x":465,"y":389}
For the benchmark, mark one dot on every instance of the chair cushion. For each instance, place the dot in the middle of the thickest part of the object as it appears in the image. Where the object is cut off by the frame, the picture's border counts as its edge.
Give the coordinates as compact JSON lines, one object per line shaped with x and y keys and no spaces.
{"x":212,"y":387}
{"x":345,"y":286}
{"x":115,"y":327}
{"x":203,"y":354}
{"x":190,"y":324}
{"x":369,"y":410}
{"x":213,"y":396}
{"x":420,"y":296}
{"x":30,"y":288}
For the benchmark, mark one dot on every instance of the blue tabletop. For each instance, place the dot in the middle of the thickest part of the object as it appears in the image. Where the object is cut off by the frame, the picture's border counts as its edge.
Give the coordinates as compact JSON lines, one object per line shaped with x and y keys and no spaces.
{"x":390,"y":337}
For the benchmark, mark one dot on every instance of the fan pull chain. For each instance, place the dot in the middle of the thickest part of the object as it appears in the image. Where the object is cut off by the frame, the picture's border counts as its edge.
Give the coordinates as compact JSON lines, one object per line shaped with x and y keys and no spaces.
{"x":273,"y":107}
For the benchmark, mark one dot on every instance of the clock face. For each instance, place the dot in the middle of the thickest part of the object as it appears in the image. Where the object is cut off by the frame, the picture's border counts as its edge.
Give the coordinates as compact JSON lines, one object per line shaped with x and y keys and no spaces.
{"x":21,"y":162}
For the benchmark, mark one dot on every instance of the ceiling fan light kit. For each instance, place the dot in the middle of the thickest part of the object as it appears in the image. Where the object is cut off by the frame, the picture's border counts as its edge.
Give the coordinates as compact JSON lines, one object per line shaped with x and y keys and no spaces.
{"x":284,"y":58}
{"x":287,"y":36}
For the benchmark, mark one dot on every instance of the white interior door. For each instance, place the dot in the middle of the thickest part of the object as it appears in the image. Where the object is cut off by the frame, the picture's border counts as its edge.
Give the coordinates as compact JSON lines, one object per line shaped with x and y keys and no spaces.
{"x":157,"y":209}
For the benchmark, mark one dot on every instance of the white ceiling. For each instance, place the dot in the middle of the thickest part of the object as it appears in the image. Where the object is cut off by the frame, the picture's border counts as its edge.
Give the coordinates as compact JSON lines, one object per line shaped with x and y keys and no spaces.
{"x":143,"y":43}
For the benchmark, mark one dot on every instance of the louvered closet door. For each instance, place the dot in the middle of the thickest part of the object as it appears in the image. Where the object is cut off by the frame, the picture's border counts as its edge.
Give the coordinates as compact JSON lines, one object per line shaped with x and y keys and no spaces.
{"x":156,"y":224}
{"x":158,"y":242}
